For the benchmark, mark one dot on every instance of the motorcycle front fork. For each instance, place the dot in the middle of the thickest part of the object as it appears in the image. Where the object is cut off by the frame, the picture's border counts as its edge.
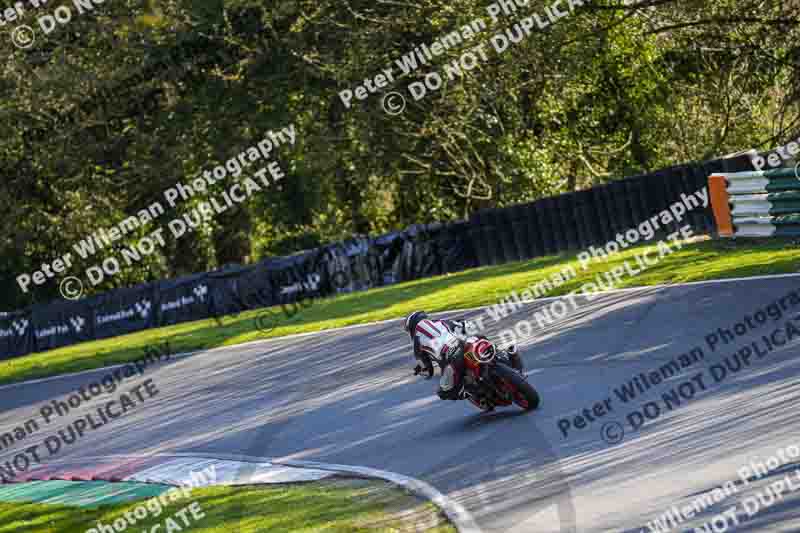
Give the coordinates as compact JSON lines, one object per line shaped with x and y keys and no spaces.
{"x":478,"y":388}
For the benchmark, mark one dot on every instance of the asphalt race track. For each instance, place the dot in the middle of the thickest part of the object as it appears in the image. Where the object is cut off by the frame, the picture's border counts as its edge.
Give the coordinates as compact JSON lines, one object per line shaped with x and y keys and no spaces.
{"x":349,"y":397}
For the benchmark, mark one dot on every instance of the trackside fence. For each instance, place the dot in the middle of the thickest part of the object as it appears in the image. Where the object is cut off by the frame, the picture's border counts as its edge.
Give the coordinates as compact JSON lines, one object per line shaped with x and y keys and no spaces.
{"x":548,"y":226}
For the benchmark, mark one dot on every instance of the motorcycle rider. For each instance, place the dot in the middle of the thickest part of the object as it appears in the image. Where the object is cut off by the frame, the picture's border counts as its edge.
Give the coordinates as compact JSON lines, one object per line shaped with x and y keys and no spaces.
{"x":443,"y":341}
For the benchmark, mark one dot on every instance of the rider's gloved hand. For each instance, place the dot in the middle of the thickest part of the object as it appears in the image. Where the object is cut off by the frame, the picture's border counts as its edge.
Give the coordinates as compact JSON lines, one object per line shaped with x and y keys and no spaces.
{"x":514,"y":358}
{"x":426,"y":370}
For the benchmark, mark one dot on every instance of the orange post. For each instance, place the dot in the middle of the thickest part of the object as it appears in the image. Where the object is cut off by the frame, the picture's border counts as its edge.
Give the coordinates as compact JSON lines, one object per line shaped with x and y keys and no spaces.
{"x":720,"y":205}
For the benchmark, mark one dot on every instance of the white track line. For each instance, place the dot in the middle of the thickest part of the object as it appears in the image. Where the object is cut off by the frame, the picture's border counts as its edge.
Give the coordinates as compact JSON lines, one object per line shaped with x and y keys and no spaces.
{"x":457,"y":514}
{"x":454,"y":511}
{"x":368,"y":324}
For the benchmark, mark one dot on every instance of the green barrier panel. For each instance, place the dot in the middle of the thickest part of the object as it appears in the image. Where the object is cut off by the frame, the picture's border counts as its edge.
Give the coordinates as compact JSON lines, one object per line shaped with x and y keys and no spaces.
{"x":763,"y":181}
{"x":757,"y":203}
{"x":785,"y":226}
{"x":786,"y":220}
{"x":779,"y":203}
{"x":761,"y":185}
{"x":79,"y":493}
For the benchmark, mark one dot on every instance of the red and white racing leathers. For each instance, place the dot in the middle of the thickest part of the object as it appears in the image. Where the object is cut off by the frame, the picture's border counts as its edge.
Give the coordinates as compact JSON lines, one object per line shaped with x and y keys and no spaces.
{"x":441,"y":341}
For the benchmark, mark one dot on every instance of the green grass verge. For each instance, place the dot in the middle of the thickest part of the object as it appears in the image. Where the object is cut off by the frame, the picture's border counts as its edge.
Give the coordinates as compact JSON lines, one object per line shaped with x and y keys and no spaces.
{"x":330,"y":506}
{"x":697,"y":261}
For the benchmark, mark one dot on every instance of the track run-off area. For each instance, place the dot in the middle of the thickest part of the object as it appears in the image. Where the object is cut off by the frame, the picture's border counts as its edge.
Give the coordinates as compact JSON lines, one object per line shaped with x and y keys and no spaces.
{"x":644,"y":415}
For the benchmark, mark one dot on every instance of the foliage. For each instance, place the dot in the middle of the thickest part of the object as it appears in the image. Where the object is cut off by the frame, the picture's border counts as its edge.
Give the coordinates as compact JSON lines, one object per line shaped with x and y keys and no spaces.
{"x":104,"y":113}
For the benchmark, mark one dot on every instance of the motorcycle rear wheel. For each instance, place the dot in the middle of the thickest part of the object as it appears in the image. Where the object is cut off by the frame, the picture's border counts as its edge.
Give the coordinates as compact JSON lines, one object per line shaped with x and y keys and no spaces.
{"x":523,"y":393}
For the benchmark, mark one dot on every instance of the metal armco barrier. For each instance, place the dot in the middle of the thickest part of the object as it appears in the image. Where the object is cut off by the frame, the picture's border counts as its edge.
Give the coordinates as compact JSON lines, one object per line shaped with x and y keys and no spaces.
{"x":763,"y":203}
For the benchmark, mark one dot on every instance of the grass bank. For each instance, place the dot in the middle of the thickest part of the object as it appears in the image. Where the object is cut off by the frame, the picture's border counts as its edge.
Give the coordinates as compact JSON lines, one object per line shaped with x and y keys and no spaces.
{"x":331,"y":506}
{"x":697,"y":261}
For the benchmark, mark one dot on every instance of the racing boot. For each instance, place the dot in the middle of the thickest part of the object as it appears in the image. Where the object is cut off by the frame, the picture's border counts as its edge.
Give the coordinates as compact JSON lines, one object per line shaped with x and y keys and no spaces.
{"x":453,"y":394}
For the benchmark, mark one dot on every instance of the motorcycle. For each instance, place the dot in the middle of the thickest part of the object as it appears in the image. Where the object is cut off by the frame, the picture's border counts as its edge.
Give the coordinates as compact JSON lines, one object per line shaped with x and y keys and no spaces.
{"x":491,"y":381}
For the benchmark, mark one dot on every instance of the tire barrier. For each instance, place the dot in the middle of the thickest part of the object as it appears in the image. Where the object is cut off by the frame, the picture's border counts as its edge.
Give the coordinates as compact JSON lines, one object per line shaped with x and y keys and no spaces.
{"x":603,"y":221}
{"x":577,"y":220}
{"x":520,"y":225}
{"x":565,"y":205}
{"x":291,"y":282}
{"x":548,"y":226}
{"x":762,"y":203}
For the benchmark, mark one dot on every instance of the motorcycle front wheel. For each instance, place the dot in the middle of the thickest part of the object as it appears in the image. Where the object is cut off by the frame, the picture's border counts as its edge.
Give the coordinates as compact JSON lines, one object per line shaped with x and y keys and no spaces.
{"x":522,"y":392}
